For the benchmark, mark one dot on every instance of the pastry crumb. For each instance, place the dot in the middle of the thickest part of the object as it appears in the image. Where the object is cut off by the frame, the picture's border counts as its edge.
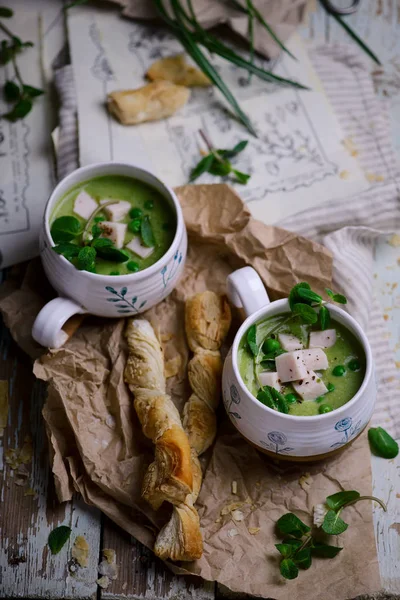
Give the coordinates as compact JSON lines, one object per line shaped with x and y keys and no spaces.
{"x":234,"y":487}
{"x":344,"y":174}
{"x":349,"y":145}
{"x":394,"y":240}
{"x":305,"y":481}
{"x":103,"y":582}
{"x":80,"y":551}
{"x":233,"y":532}
{"x":237,"y":515}
{"x":253,"y":530}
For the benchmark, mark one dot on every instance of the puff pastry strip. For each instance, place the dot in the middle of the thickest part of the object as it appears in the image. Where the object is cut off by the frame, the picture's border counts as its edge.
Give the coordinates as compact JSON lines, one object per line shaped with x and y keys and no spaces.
{"x":174,"y":475}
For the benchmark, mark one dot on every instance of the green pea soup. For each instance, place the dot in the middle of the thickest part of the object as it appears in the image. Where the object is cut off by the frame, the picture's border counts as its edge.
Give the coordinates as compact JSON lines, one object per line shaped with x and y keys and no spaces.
{"x":343,"y":377}
{"x":141,"y":196}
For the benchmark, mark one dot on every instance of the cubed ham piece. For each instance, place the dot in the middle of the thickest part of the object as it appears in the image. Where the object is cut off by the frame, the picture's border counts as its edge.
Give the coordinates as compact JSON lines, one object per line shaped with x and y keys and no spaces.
{"x":271,"y":379}
{"x":84,"y":205}
{"x":114,"y":231}
{"x":117,"y":211}
{"x":290,"y":366}
{"x":310,"y":387}
{"x":289,"y":342}
{"x":315,"y":358}
{"x":322,"y":339}
{"x":138,"y":248}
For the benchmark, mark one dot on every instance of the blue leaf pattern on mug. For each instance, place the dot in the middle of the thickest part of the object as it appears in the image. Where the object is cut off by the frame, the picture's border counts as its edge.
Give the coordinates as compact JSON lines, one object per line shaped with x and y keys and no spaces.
{"x":349,"y":431}
{"x":124,"y":306}
{"x":232,"y":398}
{"x":167,"y":276}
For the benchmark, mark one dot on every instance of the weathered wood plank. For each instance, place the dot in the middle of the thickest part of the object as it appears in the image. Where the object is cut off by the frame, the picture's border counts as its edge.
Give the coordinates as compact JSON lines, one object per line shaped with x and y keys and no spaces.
{"x":143,"y":576}
{"x":26,"y":566}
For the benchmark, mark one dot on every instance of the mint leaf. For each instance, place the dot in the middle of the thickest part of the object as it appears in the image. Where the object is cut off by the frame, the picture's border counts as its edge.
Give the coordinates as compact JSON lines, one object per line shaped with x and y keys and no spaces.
{"x":291,"y":525}
{"x":324,"y":318}
{"x":220,"y":168}
{"x":336,"y":501}
{"x":146,"y":232}
{"x":287,"y":550}
{"x":96,"y":231}
{"x":58,"y":537}
{"x":86,"y":258}
{"x":265,"y":397}
{"x":382,"y":444}
{"x":280,"y":400}
{"x":340,"y":299}
{"x":252,"y":340}
{"x":235,"y":150}
{"x":112,"y":254}
{"x":333,"y":524}
{"x":6,"y":12}
{"x":101,"y":243}
{"x":202,"y":167}
{"x":11,"y":91}
{"x":308,"y":296}
{"x":324,"y":550}
{"x":20,"y":110}
{"x":241,"y":177}
{"x":293,"y":295}
{"x":67,"y":249}
{"x":307,"y":313}
{"x":288,"y":569}
{"x":65,"y":229}
{"x":31,"y":91}
{"x":303,"y":558}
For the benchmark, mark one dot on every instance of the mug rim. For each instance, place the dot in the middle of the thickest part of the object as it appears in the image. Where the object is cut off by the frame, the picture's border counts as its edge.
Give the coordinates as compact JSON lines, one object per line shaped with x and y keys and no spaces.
{"x":284,"y":303}
{"x":139,"y":275}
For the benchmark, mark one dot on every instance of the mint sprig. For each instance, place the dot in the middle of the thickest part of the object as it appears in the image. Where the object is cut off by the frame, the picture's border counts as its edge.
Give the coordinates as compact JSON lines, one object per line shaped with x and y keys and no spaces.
{"x":310,"y":306}
{"x":58,"y":538}
{"x":217,"y":162}
{"x":15,"y":91}
{"x":298,"y":550}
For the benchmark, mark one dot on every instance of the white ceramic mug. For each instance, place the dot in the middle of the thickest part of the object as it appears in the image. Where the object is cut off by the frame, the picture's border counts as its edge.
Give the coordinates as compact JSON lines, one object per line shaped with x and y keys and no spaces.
{"x":104,"y":295}
{"x":290,"y":437}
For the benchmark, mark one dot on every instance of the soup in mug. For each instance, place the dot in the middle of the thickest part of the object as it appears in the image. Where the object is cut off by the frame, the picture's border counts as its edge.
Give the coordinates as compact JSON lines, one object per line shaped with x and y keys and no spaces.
{"x":123,"y":224}
{"x":300,"y":370}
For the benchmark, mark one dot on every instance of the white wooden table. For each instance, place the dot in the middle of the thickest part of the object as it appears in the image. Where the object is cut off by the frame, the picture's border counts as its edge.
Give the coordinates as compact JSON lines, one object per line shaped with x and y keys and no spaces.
{"x":26,"y":520}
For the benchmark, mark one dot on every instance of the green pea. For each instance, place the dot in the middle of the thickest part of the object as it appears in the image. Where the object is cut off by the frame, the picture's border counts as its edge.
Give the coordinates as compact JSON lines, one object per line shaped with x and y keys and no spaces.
{"x":320,"y":399}
{"x":99,"y":218}
{"x":135,"y":213}
{"x":291,"y":398}
{"x":339,"y":371}
{"x":149,"y":204}
{"x":354,"y":365}
{"x":325,"y":408}
{"x":331,"y":387}
{"x":114,"y":273}
{"x":133,"y":266}
{"x":270,"y":345}
{"x":134,"y":225}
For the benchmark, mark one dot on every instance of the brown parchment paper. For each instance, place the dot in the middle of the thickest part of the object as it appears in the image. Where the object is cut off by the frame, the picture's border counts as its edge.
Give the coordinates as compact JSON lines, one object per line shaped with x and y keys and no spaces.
{"x":282,"y":15}
{"x":96,"y":444}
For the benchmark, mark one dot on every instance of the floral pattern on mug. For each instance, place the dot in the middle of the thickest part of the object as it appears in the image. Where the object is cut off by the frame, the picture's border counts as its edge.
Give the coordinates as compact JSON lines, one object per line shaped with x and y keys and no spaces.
{"x":123,"y":304}
{"x":276,"y":439}
{"x":349,"y":431}
{"x":232,"y":397}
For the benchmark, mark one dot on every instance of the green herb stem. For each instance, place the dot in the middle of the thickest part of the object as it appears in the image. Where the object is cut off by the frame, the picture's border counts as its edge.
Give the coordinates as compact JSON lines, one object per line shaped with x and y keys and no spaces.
{"x":378,"y":500}
{"x":88,"y":225}
{"x":250,"y":32}
{"x":308,"y":540}
{"x":6,"y":30}
{"x":17,"y":72}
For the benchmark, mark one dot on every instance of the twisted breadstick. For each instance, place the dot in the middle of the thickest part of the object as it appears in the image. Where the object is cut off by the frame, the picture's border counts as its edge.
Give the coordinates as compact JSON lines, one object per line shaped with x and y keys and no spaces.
{"x":174,"y":475}
{"x":207,"y":320}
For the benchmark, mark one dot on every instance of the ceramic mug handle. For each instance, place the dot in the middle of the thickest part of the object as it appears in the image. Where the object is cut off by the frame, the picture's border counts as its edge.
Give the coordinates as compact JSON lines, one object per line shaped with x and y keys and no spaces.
{"x":48,"y":326}
{"x":246,"y":290}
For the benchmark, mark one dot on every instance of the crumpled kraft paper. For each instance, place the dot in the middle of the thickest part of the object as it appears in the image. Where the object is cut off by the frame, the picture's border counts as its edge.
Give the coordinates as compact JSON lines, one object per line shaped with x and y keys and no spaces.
{"x":96,"y":443}
{"x":282,"y":15}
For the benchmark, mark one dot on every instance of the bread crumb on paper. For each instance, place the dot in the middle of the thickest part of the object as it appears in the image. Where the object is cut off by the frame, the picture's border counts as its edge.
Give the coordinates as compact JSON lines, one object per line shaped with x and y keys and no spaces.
{"x":253,"y":530}
{"x":237,"y":515}
{"x":349,"y":145}
{"x":305,"y":481}
{"x":80,"y":551}
{"x":373,"y":177}
{"x":394,"y":240}
{"x":232,"y":533}
{"x":344,"y":174}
